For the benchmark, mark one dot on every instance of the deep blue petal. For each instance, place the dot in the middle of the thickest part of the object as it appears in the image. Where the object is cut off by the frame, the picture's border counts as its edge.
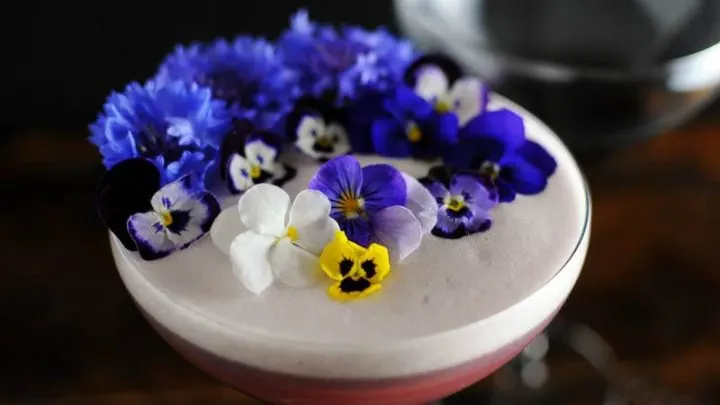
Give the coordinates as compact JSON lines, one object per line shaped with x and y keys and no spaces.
{"x":338,"y":176}
{"x":357,"y":230}
{"x":447,"y":129}
{"x":537,"y":156}
{"x":502,"y":125}
{"x":471,"y":153}
{"x":383,"y":186}
{"x":415,"y":107}
{"x":524,"y":177}
{"x":505,"y":190}
{"x":448,"y":227}
{"x":388,"y":138}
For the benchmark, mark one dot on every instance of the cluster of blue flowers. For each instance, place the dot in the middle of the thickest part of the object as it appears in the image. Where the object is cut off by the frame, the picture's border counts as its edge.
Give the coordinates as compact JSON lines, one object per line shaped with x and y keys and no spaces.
{"x":178,"y":118}
{"x":227,"y":109}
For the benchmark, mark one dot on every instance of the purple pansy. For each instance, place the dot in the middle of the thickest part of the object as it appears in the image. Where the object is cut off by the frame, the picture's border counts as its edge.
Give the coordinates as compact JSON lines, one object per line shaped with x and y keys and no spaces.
{"x":410,"y":126}
{"x":250,"y":157}
{"x":493,"y":144}
{"x":369,"y":204}
{"x":464,"y":203}
{"x":180,"y":215}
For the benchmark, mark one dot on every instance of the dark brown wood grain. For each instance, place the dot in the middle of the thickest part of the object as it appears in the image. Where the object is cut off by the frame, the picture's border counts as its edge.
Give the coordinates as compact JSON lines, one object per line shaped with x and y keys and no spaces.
{"x":69,"y":333}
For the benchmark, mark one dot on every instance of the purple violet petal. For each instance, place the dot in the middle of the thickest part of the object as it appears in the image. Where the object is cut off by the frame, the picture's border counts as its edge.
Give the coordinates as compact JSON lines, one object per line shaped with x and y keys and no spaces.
{"x":338,"y":176}
{"x":397,"y":229}
{"x":150,"y":236}
{"x":358,"y":230}
{"x":473,"y":190}
{"x":383,"y":186}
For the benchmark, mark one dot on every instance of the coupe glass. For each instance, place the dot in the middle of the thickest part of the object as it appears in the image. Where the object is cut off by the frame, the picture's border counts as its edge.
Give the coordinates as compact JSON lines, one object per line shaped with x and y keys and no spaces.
{"x":478,"y":349}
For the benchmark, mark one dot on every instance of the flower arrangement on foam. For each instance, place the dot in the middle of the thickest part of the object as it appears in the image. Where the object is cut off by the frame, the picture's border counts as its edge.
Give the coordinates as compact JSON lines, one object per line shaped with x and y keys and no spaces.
{"x":349,"y":215}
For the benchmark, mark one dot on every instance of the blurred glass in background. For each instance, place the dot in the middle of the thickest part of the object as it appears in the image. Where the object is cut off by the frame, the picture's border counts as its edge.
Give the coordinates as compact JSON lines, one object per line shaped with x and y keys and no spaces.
{"x":600,"y":73}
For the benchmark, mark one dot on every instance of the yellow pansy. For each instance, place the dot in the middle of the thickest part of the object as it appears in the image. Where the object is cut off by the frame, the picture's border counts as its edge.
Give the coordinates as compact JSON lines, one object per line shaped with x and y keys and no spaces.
{"x":357,"y":271}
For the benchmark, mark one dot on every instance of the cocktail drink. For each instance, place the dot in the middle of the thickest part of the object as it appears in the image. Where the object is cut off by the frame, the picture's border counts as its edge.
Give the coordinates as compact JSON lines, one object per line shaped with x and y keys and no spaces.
{"x":447,"y":316}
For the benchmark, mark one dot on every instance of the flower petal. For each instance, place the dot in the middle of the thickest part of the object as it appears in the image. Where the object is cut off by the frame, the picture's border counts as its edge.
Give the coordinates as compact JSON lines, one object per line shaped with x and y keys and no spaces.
{"x":383,"y":186}
{"x":238,"y":173}
{"x":524,"y":177}
{"x":226,"y":228}
{"x":126,"y":189}
{"x":294,"y":266}
{"x":338,"y":176}
{"x":308,"y":129}
{"x":150,"y":236}
{"x":261,"y":154}
{"x":358,"y":230}
{"x":474,"y":191}
{"x":397,"y":229}
{"x":249,"y":256}
{"x":414,"y":106}
{"x":173,"y":195}
{"x":263,"y":209}
{"x":192,"y":219}
{"x":503,"y":126}
{"x":446,"y":132}
{"x":536,"y":155}
{"x":310,"y":216}
{"x":389,"y":139}
{"x":431,"y":83}
{"x":448,"y":227}
{"x":421,"y":202}
{"x":468,"y":98}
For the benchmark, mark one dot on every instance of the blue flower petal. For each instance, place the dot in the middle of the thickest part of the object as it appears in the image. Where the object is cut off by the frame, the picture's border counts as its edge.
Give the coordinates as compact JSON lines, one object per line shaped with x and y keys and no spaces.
{"x":536,"y":155}
{"x":502,"y":125}
{"x":415,"y":107}
{"x":388,"y":138}
{"x":524,"y":177}
{"x":447,"y":129}
{"x":505,"y":190}
{"x":150,"y":236}
{"x":338,"y":176}
{"x":357,"y":230}
{"x":383,"y":186}
{"x":448,"y":227}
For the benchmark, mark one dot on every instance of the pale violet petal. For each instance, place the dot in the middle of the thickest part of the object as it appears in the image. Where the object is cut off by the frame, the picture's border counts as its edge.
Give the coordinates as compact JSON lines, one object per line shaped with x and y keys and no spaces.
{"x":261,"y":154}
{"x":397,"y":229}
{"x":308,"y":129}
{"x":310,"y":216}
{"x":466,"y":98}
{"x":294,"y":266}
{"x":175,"y":195}
{"x":431,"y":83}
{"x":226,"y":227}
{"x":249,"y":256}
{"x":150,"y":236}
{"x":263,"y":209}
{"x":421,"y":203}
{"x":239,"y":170}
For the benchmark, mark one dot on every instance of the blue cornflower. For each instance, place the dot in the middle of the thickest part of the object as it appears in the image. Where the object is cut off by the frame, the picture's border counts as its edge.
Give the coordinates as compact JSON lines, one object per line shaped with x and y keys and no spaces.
{"x":178,"y":127}
{"x":350,"y":62}
{"x":494,"y":144}
{"x":246,"y":73}
{"x":412,"y":127}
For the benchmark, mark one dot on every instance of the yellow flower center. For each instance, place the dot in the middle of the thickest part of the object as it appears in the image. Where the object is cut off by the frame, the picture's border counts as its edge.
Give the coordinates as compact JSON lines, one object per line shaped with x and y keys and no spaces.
{"x":413,"y":133}
{"x":442,"y":106}
{"x":166,"y":218}
{"x":455,"y":203}
{"x":255,"y":171}
{"x":351,"y":206}
{"x":324,"y":142}
{"x":292,"y":233}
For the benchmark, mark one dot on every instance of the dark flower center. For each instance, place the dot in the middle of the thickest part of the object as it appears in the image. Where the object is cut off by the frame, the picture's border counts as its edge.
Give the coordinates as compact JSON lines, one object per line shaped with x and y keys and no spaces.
{"x":230,"y":86}
{"x":176,"y":221}
{"x":153,"y":143}
{"x":490,"y":169}
{"x":349,"y":285}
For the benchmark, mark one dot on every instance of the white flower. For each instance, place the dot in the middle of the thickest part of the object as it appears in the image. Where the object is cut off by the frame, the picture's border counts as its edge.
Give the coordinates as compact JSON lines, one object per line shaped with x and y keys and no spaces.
{"x":282,"y":241}
{"x":466,"y":98}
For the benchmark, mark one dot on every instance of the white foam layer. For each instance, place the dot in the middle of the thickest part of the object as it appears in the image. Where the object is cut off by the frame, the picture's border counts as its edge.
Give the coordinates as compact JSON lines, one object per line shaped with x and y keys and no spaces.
{"x":448,"y":303}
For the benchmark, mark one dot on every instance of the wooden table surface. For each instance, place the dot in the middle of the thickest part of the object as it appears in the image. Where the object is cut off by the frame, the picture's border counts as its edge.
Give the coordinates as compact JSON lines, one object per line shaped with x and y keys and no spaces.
{"x":69,"y":333}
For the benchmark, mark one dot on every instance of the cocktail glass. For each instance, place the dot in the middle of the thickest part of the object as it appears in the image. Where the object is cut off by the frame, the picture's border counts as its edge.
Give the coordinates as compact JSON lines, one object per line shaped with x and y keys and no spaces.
{"x":287,"y":372}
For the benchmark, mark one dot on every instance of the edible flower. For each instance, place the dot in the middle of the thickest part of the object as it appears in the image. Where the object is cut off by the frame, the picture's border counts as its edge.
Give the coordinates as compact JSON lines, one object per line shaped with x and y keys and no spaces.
{"x":368,"y":204}
{"x":411,"y":127}
{"x":281,"y":240}
{"x":246,"y":73}
{"x":464,"y":203}
{"x":357,"y":271}
{"x":441,"y":82}
{"x":177,"y":126}
{"x":493,"y":145}
{"x":180,"y":215}
{"x":347,"y":62}
{"x":318,"y":129}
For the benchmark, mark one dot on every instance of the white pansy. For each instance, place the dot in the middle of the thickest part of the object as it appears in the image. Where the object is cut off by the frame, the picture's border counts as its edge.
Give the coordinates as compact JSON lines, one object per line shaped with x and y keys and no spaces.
{"x":465,"y":98}
{"x":281,"y":240}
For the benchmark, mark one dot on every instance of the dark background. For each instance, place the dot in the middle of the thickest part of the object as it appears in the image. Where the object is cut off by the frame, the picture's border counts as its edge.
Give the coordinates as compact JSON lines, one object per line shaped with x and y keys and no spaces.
{"x":65,"y":57}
